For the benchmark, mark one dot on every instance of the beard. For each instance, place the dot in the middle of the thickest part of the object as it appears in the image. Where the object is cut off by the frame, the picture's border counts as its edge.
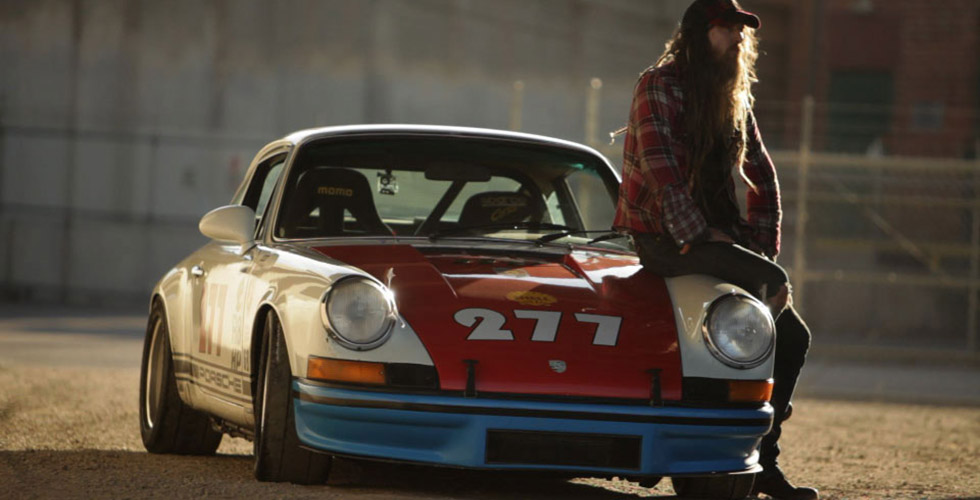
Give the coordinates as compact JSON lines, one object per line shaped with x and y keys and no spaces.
{"x":711,"y":84}
{"x":726,"y":69}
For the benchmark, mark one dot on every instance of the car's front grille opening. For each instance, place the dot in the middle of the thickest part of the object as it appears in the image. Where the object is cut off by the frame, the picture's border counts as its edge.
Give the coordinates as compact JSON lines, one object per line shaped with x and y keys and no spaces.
{"x":563,"y":449}
{"x":704,"y":389}
{"x":408,"y":376}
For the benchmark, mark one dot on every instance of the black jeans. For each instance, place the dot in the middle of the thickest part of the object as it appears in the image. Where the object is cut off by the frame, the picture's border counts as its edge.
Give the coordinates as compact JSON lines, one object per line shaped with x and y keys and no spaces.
{"x":759,"y":276}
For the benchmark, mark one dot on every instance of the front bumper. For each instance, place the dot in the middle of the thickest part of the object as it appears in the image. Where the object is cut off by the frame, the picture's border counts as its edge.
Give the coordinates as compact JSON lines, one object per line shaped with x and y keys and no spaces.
{"x":453,"y":431}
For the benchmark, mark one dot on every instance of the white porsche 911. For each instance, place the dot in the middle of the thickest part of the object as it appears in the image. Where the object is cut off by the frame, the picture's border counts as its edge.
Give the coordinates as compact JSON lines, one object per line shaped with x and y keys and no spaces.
{"x":453,"y":297}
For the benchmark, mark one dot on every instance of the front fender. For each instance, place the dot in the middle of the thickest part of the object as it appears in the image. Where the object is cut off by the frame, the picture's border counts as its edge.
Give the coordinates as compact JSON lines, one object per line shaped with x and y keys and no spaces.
{"x":691,"y":295}
{"x":295,"y":288}
{"x":172,"y":292}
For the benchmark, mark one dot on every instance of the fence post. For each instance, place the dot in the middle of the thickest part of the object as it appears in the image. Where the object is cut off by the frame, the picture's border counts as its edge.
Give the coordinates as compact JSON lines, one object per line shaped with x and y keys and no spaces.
{"x":8,"y":268}
{"x":972,"y":299}
{"x":71,"y":165}
{"x":802,"y":187}
{"x":517,"y":106}
{"x":592,"y":113}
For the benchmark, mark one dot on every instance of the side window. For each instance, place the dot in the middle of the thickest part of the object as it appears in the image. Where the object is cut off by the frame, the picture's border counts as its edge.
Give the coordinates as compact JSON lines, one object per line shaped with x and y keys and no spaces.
{"x":267,"y":187}
{"x":262,"y":185}
{"x":589,"y":201}
{"x":555,"y":208}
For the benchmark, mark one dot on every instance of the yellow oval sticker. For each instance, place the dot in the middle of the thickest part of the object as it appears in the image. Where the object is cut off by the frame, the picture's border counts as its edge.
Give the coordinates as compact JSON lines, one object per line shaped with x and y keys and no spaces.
{"x":532,"y":298}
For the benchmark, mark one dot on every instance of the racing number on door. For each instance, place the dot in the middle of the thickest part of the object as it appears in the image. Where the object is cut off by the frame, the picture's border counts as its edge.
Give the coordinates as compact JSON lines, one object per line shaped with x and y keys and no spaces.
{"x":488,"y":324}
{"x":212,"y":308}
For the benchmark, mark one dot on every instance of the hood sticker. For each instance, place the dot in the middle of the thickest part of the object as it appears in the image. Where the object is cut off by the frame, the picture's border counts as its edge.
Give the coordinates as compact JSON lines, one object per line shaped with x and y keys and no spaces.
{"x":516,"y":273}
{"x":532,"y":298}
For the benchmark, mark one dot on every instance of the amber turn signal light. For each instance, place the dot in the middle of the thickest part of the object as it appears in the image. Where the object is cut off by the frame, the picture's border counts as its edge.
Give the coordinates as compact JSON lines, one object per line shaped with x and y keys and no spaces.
{"x":750,"y":391}
{"x":340,"y":370}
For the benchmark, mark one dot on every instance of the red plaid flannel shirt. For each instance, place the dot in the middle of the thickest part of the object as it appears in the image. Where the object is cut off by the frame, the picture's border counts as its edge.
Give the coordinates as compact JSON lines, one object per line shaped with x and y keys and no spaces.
{"x":655,"y":195}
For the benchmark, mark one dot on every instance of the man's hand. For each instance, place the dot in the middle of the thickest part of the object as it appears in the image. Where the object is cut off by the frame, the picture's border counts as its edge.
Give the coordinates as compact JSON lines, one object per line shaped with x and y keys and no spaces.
{"x":716,"y":235}
{"x":755,"y":247}
{"x":713,"y":235}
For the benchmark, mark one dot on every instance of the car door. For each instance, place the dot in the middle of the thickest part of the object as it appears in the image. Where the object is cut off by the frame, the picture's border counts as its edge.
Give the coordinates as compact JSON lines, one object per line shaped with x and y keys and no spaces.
{"x":223,"y":289}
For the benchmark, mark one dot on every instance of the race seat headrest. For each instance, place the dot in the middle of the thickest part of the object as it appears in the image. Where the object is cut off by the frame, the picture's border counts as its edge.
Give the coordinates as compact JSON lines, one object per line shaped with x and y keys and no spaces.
{"x":499,"y":207}
{"x":335,"y":191}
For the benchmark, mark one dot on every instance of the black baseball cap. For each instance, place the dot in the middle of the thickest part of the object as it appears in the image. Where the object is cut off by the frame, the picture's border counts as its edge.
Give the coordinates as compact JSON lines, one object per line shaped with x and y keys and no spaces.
{"x":717,"y":13}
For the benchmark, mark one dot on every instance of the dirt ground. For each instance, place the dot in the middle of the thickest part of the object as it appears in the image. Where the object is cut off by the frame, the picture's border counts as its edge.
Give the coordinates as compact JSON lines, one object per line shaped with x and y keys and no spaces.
{"x":72,"y":433}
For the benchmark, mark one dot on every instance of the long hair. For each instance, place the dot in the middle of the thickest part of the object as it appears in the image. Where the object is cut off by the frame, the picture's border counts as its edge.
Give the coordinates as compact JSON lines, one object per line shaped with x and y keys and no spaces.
{"x":717,"y":100}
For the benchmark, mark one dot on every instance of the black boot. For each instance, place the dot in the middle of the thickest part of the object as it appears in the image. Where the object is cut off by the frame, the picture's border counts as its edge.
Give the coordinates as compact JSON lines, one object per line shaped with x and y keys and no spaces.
{"x":772,"y":482}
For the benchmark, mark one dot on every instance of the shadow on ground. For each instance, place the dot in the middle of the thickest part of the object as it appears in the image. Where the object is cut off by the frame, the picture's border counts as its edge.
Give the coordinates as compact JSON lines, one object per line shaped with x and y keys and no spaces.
{"x":127,"y":474}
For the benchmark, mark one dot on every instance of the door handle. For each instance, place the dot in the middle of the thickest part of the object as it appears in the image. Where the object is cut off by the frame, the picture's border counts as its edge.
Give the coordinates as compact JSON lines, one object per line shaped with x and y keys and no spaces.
{"x":197,"y":271}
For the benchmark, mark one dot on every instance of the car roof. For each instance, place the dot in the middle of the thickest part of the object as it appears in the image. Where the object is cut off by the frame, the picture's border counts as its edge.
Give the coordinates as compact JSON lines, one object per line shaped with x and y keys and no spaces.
{"x":302,"y":136}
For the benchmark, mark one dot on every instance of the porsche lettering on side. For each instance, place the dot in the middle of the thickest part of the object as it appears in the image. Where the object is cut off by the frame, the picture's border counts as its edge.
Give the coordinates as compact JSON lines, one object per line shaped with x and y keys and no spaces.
{"x":453,"y":297}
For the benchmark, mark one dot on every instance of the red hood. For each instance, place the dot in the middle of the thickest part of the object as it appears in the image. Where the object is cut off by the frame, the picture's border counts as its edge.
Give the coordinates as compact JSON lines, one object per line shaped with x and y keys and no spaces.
{"x":440,"y":293}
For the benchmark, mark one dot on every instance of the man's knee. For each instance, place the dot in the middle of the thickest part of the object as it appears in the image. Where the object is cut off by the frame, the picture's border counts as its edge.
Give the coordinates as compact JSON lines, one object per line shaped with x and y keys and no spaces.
{"x":792,"y":335}
{"x":775,"y":278}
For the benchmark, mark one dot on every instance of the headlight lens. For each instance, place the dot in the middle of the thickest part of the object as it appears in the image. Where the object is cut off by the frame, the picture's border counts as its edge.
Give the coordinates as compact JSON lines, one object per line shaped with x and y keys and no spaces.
{"x":739,"y":331}
{"x":359,"y":313}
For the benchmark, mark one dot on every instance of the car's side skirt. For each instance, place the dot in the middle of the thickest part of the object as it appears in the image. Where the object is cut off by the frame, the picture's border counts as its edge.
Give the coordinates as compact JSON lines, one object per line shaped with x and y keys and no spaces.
{"x":228,"y":392}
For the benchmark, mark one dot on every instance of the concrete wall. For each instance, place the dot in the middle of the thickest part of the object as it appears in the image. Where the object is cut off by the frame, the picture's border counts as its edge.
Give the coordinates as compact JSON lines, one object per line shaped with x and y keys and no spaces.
{"x":123,"y":121}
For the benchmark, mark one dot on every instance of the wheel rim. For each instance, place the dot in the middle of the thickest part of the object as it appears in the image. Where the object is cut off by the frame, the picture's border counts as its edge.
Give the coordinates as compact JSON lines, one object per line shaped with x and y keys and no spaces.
{"x":155,"y":378}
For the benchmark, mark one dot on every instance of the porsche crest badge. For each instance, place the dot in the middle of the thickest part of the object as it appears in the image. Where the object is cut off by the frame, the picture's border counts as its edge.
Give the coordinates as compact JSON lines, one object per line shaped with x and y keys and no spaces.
{"x":557,"y":365}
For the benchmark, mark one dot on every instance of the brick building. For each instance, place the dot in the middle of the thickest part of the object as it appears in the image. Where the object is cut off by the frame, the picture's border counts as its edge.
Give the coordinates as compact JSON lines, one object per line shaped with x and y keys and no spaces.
{"x":895,"y":77}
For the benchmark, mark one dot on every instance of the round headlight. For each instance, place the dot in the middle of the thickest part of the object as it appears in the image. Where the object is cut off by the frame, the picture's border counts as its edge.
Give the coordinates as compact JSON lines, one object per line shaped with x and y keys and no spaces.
{"x":739,"y":331}
{"x":359,"y":313}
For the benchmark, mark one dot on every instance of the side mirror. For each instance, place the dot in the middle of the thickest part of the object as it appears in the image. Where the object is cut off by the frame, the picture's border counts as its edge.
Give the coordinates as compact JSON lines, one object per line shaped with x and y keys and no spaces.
{"x":231,"y":223}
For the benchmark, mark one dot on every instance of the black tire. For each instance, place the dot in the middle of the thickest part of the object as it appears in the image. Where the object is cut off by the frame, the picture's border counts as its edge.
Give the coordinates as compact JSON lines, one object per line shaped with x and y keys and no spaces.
{"x":648,"y":481}
{"x":278,"y":455}
{"x":167,"y":425}
{"x":733,"y":487}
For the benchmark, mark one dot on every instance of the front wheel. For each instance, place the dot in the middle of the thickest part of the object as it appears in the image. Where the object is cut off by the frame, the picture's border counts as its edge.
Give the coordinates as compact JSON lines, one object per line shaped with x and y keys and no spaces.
{"x":278,"y":455}
{"x":167,"y":424}
{"x":734,"y":487}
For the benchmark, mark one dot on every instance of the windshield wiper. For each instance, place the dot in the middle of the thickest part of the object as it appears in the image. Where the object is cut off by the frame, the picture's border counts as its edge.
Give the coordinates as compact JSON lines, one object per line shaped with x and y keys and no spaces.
{"x":530,"y":226}
{"x":611,"y":235}
{"x":606,"y":235}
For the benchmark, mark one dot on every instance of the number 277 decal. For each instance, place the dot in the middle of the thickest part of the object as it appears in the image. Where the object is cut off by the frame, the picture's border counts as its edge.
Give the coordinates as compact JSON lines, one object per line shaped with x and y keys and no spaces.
{"x":488,"y":324}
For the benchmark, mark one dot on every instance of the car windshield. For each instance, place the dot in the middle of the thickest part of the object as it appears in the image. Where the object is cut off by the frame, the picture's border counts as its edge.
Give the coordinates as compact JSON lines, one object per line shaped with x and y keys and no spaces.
{"x":442,"y":187}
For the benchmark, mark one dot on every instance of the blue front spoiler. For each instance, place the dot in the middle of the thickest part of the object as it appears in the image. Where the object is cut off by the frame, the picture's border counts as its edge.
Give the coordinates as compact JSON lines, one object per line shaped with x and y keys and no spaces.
{"x":452,"y":431}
